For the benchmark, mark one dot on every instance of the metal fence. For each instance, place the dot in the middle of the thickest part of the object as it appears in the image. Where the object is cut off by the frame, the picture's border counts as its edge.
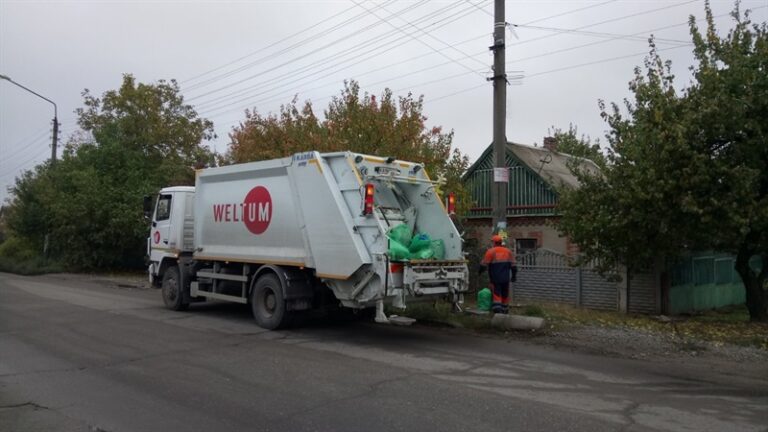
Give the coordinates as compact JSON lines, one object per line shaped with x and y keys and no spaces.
{"x":545,"y":275}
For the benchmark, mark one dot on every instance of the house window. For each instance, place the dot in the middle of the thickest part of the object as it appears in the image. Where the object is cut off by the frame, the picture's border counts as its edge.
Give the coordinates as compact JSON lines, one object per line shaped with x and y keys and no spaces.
{"x":525,"y":245}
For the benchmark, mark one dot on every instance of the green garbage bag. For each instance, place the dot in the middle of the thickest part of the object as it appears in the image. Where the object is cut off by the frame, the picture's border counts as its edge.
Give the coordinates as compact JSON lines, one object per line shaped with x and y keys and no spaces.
{"x":484,"y":299}
{"x":420,"y":242}
{"x":438,"y":249}
{"x":397,"y":251}
{"x":423,"y":254}
{"x":400,"y":233}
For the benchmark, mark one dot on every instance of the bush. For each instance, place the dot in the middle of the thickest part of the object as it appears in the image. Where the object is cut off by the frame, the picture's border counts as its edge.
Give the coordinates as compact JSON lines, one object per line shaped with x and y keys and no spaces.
{"x":34,"y":266}
{"x":17,"y":249}
{"x":18,"y":256}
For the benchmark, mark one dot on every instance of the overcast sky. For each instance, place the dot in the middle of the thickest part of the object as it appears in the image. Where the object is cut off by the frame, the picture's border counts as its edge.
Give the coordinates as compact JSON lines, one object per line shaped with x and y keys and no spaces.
{"x":232,"y":55}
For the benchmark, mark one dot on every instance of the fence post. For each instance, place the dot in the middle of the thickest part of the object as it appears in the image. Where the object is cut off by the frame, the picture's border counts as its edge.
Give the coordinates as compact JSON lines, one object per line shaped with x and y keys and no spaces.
{"x":579,"y":285}
{"x":623,"y":289}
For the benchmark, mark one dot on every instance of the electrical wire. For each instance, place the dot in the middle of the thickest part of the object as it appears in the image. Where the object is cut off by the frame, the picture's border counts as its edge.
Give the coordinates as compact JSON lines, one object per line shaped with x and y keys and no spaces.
{"x":274,"y":44}
{"x":561,"y":69}
{"x":544,"y":37}
{"x":296,"y":58}
{"x":615,"y":37}
{"x":612,"y":20}
{"x":313,"y":67}
{"x":537,"y":20}
{"x":15,"y":170}
{"x":357,"y":60}
{"x":485,"y":34}
{"x":540,"y":55}
{"x":19,"y":147}
{"x":277,"y":54}
{"x":597,"y":34}
{"x":426,"y":34}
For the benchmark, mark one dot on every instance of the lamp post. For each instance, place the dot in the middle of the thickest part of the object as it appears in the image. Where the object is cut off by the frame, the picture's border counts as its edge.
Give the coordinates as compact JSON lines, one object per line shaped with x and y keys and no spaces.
{"x":55,"y":115}
{"x":53,"y":142}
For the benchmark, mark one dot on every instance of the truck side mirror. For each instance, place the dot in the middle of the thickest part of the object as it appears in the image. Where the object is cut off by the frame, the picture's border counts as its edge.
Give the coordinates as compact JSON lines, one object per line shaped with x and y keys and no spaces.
{"x":147,"y":206}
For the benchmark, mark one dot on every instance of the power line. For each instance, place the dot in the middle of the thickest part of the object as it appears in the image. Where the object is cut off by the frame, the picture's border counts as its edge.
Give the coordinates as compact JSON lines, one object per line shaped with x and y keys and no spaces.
{"x":541,"y":55}
{"x":269,"y":46}
{"x":633,"y":15}
{"x":570,"y":12}
{"x":615,"y":37}
{"x":472,"y":4}
{"x":425,"y":33}
{"x":277,"y":54}
{"x":382,"y":41}
{"x":294,"y":59}
{"x":37,"y":136}
{"x":15,"y":170}
{"x":315,"y":72}
{"x":561,"y":69}
{"x":596,"y":34}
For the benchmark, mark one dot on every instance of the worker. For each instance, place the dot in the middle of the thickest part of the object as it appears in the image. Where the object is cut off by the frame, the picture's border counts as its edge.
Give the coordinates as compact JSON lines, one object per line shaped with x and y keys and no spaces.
{"x":500,"y":263}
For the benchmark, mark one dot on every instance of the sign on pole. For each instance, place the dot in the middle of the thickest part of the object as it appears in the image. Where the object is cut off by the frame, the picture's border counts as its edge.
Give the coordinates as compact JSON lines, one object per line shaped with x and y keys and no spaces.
{"x":501,"y":175}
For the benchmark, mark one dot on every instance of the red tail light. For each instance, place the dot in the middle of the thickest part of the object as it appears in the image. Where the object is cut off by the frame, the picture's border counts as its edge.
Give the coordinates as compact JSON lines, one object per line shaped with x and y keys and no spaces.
{"x":368,"y":202}
{"x":451,"y":203}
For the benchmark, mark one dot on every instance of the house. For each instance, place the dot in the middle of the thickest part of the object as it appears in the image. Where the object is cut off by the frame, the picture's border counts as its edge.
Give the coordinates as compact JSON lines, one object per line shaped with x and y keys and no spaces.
{"x":535,"y":174}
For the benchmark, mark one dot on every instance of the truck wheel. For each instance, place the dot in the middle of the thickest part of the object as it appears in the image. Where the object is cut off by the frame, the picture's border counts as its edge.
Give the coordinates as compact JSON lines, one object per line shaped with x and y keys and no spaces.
{"x":268,"y":303}
{"x":172,"y":295}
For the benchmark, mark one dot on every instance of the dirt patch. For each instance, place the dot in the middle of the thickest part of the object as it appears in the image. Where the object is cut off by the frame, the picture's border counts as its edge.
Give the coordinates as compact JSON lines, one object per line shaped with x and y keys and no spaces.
{"x":125,"y":281}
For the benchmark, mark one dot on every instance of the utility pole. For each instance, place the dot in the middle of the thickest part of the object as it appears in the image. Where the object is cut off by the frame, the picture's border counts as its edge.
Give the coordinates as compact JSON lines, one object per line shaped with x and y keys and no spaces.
{"x":55,"y":140}
{"x":500,"y":171}
{"x":55,"y":136}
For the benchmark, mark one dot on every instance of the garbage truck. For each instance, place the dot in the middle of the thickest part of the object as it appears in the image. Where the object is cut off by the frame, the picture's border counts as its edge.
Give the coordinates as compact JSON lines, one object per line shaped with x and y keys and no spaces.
{"x":305,"y":232}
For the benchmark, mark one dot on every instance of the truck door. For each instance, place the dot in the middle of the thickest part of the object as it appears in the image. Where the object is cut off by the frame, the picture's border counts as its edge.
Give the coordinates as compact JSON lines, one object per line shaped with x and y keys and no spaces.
{"x":161,"y":226}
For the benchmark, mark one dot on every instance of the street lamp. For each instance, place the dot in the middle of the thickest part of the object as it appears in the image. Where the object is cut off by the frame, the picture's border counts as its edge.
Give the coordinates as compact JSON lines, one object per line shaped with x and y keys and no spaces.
{"x":55,"y":115}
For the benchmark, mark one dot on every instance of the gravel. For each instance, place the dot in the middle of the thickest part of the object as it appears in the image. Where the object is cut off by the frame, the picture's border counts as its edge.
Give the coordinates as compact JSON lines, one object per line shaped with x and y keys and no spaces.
{"x":634,"y":343}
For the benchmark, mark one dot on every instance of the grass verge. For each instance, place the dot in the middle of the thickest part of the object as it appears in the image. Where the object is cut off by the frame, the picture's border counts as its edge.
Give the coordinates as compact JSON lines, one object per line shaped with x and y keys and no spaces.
{"x":729,"y":325}
{"x":722,"y":326}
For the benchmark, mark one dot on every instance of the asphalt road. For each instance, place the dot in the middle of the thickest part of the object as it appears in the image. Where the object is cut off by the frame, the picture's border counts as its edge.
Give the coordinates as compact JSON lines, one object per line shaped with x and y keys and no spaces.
{"x":81,"y":355}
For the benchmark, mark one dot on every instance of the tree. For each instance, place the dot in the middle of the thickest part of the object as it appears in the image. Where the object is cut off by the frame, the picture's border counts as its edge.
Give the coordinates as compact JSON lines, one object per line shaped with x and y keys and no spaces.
{"x":134,"y":141}
{"x":686,"y":170}
{"x":150,"y":120}
{"x":361,"y":123}
{"x":580,"y":146}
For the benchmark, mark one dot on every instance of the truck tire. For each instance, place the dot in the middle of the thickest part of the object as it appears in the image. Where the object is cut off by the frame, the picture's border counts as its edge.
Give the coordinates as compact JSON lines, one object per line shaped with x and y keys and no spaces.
{"x":173,"y":297}
{"x":268,"y":303}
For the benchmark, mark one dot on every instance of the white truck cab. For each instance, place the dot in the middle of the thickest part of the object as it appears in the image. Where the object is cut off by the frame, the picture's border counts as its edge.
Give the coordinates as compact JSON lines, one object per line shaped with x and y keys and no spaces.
{"x":171,"y":234}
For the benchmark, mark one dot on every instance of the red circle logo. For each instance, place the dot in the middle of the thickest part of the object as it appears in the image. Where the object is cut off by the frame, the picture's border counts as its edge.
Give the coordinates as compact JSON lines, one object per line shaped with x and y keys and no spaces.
{"x":257,"y":210}
{"x":157,"y":237}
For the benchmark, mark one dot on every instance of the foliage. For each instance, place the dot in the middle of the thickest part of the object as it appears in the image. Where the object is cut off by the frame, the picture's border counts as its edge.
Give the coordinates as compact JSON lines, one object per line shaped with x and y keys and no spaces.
{"x":17,"y":249}
{"x":18,"y":256}
{"x":685,"y":170}
{"x":150,"y":121}
{"x":580,"y":146}
{"x":135,"y":140}
{"x":34,"y":266}
{"x":385,"y":126}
